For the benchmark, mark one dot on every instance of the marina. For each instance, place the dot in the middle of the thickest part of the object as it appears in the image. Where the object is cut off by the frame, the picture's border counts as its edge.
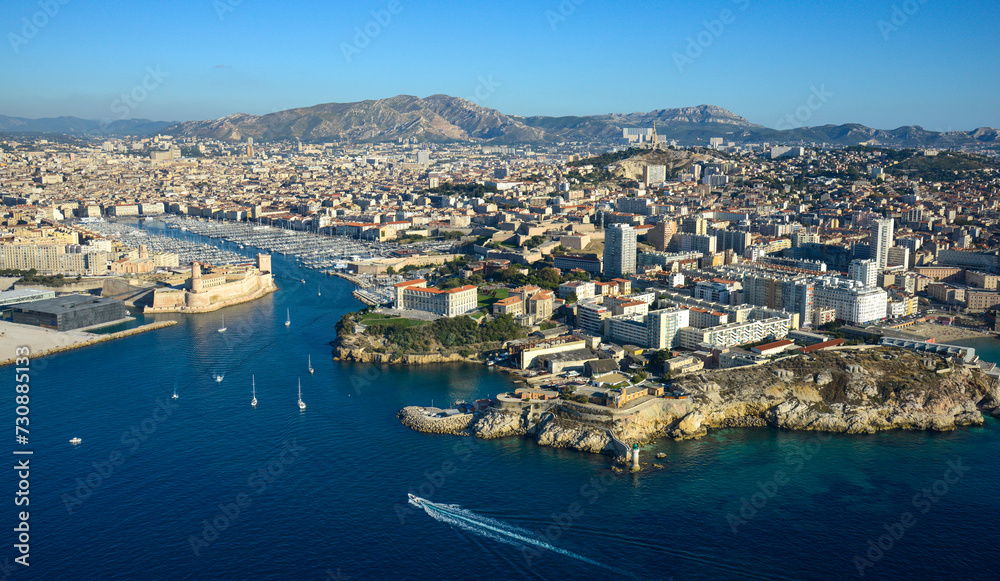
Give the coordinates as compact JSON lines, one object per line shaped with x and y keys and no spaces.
{"x":239,"y":243}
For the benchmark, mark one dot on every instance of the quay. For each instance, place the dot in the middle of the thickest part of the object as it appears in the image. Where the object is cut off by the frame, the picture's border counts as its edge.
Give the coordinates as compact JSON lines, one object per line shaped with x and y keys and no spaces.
{"x":44,"y":342}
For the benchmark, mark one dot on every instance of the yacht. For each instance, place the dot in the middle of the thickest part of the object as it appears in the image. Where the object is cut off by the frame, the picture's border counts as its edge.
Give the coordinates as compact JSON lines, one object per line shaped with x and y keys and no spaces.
{"x":75,"y":441}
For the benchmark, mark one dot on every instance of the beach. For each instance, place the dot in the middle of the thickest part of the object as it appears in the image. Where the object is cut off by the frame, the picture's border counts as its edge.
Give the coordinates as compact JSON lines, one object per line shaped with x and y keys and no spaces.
{"x":944,"y":333}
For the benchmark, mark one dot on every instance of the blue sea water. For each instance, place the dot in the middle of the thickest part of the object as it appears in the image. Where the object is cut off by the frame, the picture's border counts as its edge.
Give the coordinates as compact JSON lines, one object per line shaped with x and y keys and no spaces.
{"x":206,"y":487}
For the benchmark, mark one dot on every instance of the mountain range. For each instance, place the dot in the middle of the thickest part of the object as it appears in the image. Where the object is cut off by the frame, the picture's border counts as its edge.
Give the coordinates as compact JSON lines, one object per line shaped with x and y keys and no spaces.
{"x":442,"y":118}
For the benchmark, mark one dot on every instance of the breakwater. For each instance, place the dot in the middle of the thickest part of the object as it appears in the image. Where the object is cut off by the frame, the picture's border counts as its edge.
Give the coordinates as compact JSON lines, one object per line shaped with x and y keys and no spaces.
{"x":95,"y":340}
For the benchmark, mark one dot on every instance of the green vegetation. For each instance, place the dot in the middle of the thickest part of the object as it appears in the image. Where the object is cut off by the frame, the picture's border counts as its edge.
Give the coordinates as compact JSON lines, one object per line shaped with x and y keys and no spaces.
{"x":547,"y":277}
{"x":377,"y":319}
{"x":655,"y":361}
{"x":943,"y":167}
{"x":534,"y":241}
{"x":32,"y":276}
{"x":446,"y":332}
{"x":487,"y":299}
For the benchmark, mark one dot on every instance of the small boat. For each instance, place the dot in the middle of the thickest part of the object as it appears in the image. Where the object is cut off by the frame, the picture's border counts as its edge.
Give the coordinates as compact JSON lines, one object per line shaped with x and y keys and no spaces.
{"x":288,"y":318}
{"x":222,"y":329}
{"x":75,"y":441}
{"x":302,"y":404}
{"x":311,"y":370}
{"x":253,"y":402}
{"x":219,"y":378}
{"x":303,"y":281}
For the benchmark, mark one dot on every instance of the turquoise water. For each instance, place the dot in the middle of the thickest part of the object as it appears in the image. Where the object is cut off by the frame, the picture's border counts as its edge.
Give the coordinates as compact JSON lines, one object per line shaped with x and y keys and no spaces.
{"x":218,"y":490}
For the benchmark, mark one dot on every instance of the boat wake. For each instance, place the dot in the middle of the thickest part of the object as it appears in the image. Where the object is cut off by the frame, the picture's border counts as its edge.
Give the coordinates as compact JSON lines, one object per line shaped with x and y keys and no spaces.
{"x":496,"y":530}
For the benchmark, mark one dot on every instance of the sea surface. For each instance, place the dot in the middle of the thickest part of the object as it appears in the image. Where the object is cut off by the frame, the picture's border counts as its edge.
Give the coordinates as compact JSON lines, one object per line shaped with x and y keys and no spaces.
{"x":207,"y":487}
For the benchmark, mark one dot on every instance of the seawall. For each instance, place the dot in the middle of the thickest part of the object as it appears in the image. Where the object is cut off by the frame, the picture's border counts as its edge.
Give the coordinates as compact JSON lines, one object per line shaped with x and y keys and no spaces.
{"x":94,"y":341}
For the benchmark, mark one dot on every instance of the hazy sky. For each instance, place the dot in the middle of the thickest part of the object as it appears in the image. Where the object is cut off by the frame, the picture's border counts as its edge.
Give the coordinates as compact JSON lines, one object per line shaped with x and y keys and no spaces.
{"x":881,"y":63}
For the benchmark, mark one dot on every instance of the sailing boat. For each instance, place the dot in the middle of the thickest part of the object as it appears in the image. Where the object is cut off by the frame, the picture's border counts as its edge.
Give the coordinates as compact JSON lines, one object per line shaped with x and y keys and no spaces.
{"x":288,"y":318}
{"x":302,"y":404}
{"x":222,"y":329}
{"x":175,"y":394}
{"x":311,"y":370}
{"x":253,"y":402}
{"x":319,"y":292}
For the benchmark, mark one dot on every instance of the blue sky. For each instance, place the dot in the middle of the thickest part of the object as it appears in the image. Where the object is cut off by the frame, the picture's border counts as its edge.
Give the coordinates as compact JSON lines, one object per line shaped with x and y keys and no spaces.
{"x":934,"y":63}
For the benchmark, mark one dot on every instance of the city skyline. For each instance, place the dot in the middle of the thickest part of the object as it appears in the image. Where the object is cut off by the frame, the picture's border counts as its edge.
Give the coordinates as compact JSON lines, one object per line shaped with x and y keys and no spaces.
{"x":882,"y":65}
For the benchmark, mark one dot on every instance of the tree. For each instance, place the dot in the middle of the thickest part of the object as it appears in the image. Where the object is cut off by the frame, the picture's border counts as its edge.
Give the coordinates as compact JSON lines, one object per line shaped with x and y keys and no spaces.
{"x":571,"y":298}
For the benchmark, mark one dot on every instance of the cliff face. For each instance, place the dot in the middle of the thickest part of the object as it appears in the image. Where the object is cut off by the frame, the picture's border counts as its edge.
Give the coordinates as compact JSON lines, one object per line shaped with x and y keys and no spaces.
{"x":364,"y":349}
{"x":852,"y":392}
{"x":842,"y":391}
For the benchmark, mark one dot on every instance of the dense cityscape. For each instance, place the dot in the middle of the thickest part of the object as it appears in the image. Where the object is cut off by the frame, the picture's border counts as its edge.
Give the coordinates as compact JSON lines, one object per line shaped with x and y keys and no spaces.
{"x":494,"y":291}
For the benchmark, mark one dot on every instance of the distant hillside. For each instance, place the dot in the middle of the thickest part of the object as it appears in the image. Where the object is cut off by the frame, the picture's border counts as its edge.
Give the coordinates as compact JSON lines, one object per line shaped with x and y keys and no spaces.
{"x":77,"y":126}
{"x":441,"y":118}
{"x":436,"y":118}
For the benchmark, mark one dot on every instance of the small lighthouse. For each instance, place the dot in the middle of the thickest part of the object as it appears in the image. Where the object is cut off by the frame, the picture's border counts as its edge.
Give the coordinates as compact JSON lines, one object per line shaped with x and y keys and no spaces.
{"x":635,"y":457}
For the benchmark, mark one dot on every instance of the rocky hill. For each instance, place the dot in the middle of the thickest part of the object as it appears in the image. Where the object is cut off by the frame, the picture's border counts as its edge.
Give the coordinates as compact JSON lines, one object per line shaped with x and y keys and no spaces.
{"x":843,"y":391}
{"x":442,"y":118}
{"x":854,"y":392}
{"x":435,"y":118}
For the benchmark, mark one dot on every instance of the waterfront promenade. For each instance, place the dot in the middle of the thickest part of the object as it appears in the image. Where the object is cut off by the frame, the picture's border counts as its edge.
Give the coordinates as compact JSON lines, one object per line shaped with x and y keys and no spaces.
{"x":43,"y":342}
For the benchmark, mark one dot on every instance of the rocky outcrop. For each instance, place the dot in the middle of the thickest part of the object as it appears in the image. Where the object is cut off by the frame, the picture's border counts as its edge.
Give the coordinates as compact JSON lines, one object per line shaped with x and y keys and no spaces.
{"x":499,"y":424}
{"x":361,"y":348}
{"x":690,"y":426}
{"x":849,"y":392}
{"x":364,"y":356}
{"x":853,"y":392}
{"x":562,"y":434}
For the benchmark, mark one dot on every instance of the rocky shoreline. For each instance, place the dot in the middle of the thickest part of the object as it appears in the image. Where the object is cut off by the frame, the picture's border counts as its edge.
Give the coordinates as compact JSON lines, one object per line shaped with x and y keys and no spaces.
{"x":850,"y":392}
{"x":365,"y":356}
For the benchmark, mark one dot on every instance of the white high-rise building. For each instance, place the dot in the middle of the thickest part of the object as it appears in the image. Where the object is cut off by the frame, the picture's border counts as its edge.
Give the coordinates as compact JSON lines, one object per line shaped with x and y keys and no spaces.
{"x":853,"y":302}
{"x":619,"y":250}
{"x":881,"y":241}
{"x":865,"y":271}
